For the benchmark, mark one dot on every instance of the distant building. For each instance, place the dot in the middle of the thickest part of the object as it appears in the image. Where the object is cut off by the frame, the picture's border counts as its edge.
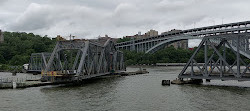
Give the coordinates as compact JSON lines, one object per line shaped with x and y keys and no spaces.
{"x":171,"y":31}
{"x":1,"y":37}
{"x":139,"y":33}
{"x":150,"y":33}
{"x":102,"y":40}
{"x":59,"y":38}
{"x":178,"y":44}
{"x":191,"y":48}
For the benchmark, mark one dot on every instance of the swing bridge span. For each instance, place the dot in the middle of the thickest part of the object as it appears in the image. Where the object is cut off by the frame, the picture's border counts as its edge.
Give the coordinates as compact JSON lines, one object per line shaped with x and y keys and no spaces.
{"x":76,"y":60}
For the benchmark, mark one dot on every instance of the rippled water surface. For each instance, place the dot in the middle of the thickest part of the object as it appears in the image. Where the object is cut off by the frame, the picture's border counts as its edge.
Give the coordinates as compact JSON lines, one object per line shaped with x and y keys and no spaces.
{"x":131,"y":93}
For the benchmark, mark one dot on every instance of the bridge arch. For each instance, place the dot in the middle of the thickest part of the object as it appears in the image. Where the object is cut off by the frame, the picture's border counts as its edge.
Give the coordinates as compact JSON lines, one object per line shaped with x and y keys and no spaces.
{"x":245,"y":52}
{"x":169,"y":40}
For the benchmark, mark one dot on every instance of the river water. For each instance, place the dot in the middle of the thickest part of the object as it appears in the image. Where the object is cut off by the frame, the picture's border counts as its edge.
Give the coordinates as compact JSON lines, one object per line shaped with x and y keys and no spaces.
{"x":131,"y":93}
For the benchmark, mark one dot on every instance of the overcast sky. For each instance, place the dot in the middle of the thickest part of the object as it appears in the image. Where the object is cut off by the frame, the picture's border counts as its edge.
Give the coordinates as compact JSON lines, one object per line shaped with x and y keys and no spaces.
{"x":116,"y":18}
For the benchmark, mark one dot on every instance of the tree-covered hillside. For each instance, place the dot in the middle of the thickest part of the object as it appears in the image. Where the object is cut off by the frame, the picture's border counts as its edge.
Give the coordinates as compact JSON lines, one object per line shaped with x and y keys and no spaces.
{"x":167,"y":55}
{"x":18,"y":46}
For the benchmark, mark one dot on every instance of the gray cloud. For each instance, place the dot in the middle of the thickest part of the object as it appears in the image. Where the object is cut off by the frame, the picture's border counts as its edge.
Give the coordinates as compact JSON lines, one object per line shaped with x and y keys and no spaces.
{"x":2,"y":2}
{"x":90,"y":18}
{"x":35,"y":17}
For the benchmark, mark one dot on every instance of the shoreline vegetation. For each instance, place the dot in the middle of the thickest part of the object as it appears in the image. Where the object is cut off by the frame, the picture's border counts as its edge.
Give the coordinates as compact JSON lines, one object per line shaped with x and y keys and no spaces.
{"x":18,"y":46}
{"x":173,"y":55}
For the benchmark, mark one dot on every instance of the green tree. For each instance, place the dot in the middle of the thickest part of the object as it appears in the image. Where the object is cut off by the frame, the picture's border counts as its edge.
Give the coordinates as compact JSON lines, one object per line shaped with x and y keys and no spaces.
{"x":18,"y":46}
{"x":124,"y":39}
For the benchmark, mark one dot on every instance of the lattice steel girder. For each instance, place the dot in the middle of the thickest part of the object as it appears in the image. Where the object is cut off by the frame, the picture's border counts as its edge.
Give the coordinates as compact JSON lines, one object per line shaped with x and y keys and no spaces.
{"x":217,"y":65}
{"x":82,"y":60}
{"x":92,"y":59}
{"x":38,"y":61}
{"x":243,"y":44}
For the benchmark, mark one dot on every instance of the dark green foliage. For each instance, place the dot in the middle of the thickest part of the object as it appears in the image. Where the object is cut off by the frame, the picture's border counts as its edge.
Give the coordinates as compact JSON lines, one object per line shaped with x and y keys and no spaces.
{"x":167,"y":55}
{"x":172,"y":55}
{"x":4,"y":67}
{"x":123,"y":40}
{"x":18,"y":46}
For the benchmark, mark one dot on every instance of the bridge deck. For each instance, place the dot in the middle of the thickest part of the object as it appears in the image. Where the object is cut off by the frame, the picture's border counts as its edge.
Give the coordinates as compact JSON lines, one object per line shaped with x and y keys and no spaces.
{"x":95,"y":75}
{"x":217,"y":77}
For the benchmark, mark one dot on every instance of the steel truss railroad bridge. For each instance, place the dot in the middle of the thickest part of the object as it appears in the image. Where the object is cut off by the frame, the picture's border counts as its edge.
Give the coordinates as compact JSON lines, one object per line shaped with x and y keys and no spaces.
{"x":234,"y":37}
{"x":89,"y":59}
{"x":218,"y":64}
{"x":76,"y":60}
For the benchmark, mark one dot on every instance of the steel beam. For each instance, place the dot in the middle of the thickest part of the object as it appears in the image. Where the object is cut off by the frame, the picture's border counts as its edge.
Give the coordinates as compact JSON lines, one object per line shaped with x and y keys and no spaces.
{"x":221,"y":63}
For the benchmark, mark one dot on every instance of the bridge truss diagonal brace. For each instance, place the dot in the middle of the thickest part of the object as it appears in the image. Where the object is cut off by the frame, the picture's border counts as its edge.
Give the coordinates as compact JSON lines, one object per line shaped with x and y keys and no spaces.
{"x":38,"y":61}
{"x":191,"y":59}
{"x":76,"y":59}
{"x":221,"y":63}
{"x":62,"y":45}
{"x":51,"y":58}
{"x":92,"y":60}
{"x":44,"y":60}
{"x":220,"y":56}
{"x":82,"y":60}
